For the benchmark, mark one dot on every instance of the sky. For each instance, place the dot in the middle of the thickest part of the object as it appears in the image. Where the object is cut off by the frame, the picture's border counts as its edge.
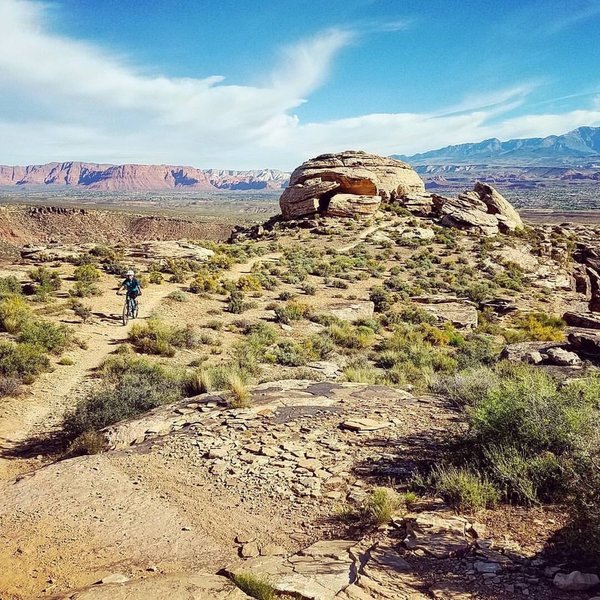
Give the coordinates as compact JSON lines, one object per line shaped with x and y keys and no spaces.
{"x":242,"y":84}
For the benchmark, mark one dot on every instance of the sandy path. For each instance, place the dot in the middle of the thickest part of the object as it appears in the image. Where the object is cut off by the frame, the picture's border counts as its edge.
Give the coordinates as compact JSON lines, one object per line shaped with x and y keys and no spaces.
{"x":42,"y":408}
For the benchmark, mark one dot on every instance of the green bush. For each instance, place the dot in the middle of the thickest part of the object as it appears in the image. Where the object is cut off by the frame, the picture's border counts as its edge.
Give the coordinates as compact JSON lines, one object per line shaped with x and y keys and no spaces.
{"x":351,"y":337}
{"x":47,"y":335}
{"x":382,"y":298}
{"x":236,"y":302}
{"x":381,"y":506}
{"x":84,"y":289}
{"x":255,"y":586}
{"x":47,"y":280}
{"x":463,"y":489}
{"x":14,"y":311}
{"x":10,"y":286}
{"x":156,"y":337}
{"x":24,"y":361}
{"x":525,"y":428}
{"x":87,"y":273}
{"x":130,"y":387}
{"x":292,"y":311}
{"x":155,"y":277}
{"x":81,"y":310}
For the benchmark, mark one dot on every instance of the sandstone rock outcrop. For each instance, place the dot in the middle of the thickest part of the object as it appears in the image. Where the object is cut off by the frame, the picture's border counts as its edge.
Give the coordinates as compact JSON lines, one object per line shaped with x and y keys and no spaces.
{"x":355,"y":184}
{"x":361,"y":181}
{"x":483,"y":209}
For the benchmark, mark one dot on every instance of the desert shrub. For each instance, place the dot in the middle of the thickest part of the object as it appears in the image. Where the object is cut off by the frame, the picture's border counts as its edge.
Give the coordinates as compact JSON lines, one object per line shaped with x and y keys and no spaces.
{"x":381,"y":506}
{"x":382,"y":298}
{"x":292,"y":311}
{"x":240,"y":394}
{"x":468,"y":386}
{"x":156,"y":337}
{"x":525,"y":428}
{"x":236,"y":302}
{"x":9,"y":386}
{"x":220,"y":262}
{"x":462,"y":488}
{"x":47,"y":335}
{"x":204,"y":282}
{"x":81,"y":310}
{"x":155,"y":277}
{"x":84,"y":289}
{"x":322,"y":347}
{"x":351,"y":337}
{"x":361,"y":373}
{"x":541,"y":327}
{"x":47,"y":281}
{"x":177,"y":296}
{"x":66,"y":361}
{"x":249,"y":283}
{"x":14,"y":311}
{"x":199,"y":382}
{"x":130,"y":387}
{"x":309,"y":289}
{"x":255,"y":586}
{"x":10,"y":286}
{"x":24,"y":361}
{"x":89,"y":442}
{"x":291,"y":354}
{"x":87,"y":273}
{"x":413,"y":313}
{"x":286,"y":295}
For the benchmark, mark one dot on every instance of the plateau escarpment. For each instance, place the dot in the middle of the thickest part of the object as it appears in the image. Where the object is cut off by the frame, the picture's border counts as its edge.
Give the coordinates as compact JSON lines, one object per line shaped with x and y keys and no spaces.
{"x":132,"y":177}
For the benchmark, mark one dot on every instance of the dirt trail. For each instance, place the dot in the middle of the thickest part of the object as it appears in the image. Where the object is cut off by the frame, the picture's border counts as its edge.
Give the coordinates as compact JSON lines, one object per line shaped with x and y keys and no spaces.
{"x":40,"y":411}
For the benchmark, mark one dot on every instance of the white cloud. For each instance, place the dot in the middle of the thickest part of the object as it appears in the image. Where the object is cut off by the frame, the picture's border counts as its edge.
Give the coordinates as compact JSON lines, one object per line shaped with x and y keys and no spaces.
{"x":63,"y":99}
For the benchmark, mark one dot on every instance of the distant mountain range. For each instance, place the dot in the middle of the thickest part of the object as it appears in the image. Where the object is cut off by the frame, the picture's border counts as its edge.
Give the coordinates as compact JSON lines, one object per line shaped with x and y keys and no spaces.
{"x":577,"y":148}
{"x":130,"y":177}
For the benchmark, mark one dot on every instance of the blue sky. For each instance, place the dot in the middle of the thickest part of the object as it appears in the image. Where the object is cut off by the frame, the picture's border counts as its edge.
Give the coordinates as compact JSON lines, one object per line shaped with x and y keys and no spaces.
{"x":250,"y":83}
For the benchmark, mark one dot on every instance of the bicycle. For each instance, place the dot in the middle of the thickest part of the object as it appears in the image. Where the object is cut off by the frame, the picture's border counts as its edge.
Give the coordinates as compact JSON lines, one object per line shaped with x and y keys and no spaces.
{"x":130,"y":309}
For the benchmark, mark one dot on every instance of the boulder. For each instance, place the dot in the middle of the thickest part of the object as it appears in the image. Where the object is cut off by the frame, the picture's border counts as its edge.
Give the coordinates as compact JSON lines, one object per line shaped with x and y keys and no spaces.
{"x":483,"y":209}
{"x":508,"y":217}
{"x":576,"y":581}
{"x":527,"y":352}
{"x":583,"y":320}
{"x":370,"y":177}
{"x":585,"y":342}
{"x":562,"y":358}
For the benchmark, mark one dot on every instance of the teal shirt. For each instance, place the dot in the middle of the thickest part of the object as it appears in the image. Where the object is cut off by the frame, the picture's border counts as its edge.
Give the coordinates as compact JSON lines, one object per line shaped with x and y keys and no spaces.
{"x":132,"y":286}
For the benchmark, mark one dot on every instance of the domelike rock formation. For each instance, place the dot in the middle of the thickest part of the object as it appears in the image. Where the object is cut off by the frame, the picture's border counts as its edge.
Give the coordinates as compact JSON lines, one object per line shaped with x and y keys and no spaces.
{"x":355,"y":184}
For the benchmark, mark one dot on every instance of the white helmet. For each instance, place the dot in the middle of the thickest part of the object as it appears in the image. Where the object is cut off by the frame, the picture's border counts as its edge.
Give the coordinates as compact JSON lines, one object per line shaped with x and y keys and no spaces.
{"x":130,"y":272}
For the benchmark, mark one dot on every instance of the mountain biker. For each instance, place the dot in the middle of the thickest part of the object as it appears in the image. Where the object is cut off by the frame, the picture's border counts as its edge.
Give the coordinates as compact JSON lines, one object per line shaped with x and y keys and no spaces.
{"x":132,"y":286}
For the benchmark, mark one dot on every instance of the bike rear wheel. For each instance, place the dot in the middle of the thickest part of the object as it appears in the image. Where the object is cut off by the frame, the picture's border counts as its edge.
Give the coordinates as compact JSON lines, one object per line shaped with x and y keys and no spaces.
{"x":126,"y":312}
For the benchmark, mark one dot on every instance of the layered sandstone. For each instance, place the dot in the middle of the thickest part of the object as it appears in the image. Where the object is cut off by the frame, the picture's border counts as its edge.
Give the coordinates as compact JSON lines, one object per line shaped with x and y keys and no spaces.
{"x":130,"y":177}
{"x":346,"y":184}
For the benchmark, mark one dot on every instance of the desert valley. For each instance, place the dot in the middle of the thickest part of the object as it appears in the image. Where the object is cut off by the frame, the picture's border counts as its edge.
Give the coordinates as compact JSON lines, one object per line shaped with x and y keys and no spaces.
{"x":378,"y":392}
{"x":299,"y":303}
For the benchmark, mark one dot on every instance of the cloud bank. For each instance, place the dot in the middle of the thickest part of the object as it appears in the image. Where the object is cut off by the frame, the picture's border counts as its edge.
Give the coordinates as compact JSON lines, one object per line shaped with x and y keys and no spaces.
{"x":64,"y":99}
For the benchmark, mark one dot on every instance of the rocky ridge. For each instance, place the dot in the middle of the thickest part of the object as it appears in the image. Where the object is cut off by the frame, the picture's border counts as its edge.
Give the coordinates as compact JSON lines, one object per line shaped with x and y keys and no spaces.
{"x":299,"y":442}
{"x":132,"y":177}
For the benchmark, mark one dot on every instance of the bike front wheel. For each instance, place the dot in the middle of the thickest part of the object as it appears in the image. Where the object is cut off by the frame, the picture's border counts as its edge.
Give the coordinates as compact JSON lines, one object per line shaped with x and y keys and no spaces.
{"x":125,"y":313}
